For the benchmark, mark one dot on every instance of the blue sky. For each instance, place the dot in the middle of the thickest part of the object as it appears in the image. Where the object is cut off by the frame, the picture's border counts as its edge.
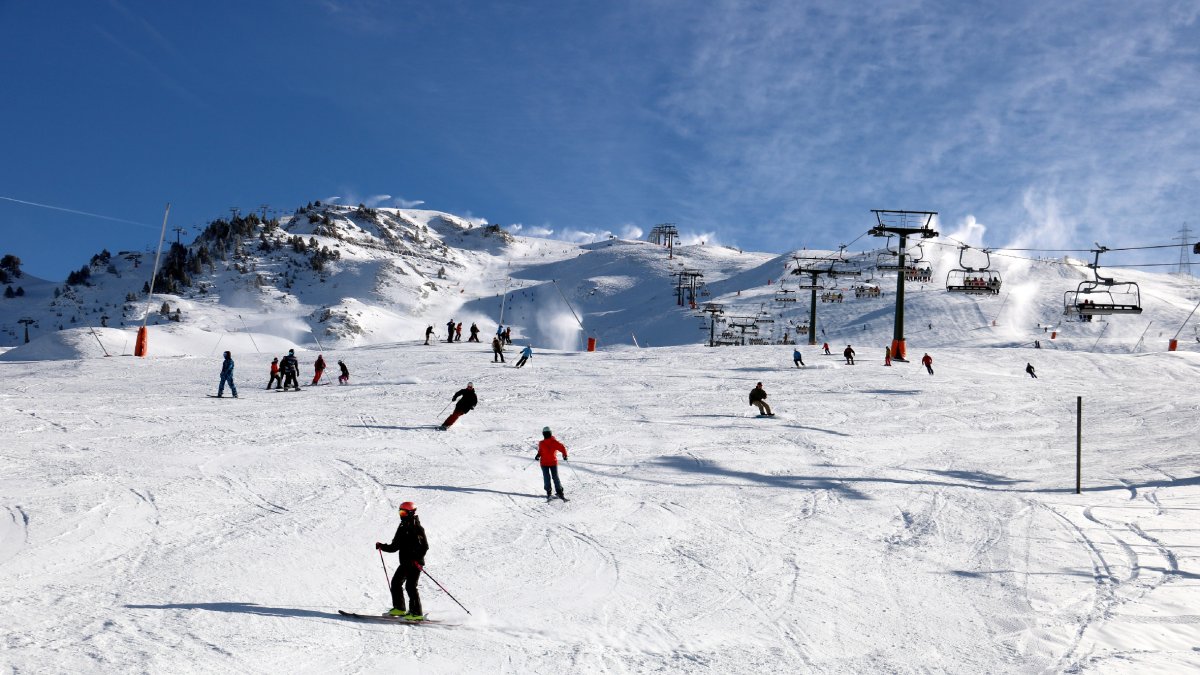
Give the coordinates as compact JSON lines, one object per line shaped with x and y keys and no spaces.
{"x":767,"y":125}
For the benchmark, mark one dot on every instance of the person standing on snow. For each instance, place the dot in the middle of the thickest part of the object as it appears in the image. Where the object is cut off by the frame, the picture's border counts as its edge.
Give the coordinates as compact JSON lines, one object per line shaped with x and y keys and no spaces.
{"x":318,"y":369}
{"x":526,"y":354}
{"x":796,"y":358}
{"x":450,"y":330}
{"x":474,"y":333}
{"x":497,"y":350}
{"x":276,"y":379}
{"x":1029,"y":369}
{"x":508,"y":335}
{"x":465,"y":405}
{"x":758,"y":399}
{"x":458,"y":332}
{"x":290,"y":368}
{"x":226,"y":376}
{"x":411,"y":545}
{"x":826,"y":348}
{"x":887,"y":355}
{"x":927,"y":361}
{"x":344,"y":378}
{"x":428,"y":333}
{"x":547,"y":456}
{"x":848,"y":352}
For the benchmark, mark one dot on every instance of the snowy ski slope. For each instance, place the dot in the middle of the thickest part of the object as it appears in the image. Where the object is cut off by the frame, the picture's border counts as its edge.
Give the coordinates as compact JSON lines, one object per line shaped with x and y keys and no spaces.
{"x":884,"y":521}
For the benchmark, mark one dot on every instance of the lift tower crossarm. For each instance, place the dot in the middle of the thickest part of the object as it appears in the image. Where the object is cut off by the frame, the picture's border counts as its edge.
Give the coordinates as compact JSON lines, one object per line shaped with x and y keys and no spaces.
{"x":904,"y":224}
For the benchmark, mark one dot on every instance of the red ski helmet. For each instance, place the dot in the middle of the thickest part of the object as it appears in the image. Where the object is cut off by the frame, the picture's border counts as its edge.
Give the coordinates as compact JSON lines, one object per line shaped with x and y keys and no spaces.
{"x":407,"y":508}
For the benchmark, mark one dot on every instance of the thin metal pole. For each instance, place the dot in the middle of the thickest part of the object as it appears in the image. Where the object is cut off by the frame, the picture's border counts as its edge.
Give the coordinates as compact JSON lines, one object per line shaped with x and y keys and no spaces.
{"x":1079,"y":444}
{"x":98,"y":340}
{"x":422,"y":568}
{"x":154,"y":274}
{"x":564,"y":297}
{"x":250,"y":335}
{"x":1189,"y":318}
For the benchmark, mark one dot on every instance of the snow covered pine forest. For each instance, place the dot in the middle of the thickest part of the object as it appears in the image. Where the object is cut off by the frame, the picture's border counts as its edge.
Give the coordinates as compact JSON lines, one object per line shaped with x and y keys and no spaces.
{"x":884,"y":520}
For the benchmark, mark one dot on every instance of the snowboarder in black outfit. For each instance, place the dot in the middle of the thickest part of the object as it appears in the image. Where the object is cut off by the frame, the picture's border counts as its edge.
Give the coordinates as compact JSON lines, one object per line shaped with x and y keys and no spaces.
{"x":848,"y":352}
{"x":450,"y":330}
{"x":428,"y":333}
{"x":468,"y":402}
{"x":226,"y":376}
{"x":411,"y":545}
{"x":1029,"y":369}
{"x":474,"y":333}
{"x":344,"y":378}
{"x":497,"y":350}
{"x":291,"y":369}
{"x":758,"y":399}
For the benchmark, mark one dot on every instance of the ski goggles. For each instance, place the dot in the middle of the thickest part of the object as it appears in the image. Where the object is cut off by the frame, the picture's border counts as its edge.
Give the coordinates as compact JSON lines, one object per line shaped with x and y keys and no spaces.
{"x":404,"y":512}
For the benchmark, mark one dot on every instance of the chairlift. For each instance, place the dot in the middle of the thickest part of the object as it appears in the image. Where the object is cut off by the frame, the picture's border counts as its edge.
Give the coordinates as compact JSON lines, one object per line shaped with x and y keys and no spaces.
{"x":1102,"y":295}
{"x":888,"y":260}
{"x":972,"y":280}
{"x":918,"y":270}
{"x":810,"y":285}
{"x":785,"y":295}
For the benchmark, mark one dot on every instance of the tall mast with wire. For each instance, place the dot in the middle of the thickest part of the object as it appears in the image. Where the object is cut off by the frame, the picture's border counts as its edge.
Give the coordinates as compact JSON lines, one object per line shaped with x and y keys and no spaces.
{"x":1185,"y":256}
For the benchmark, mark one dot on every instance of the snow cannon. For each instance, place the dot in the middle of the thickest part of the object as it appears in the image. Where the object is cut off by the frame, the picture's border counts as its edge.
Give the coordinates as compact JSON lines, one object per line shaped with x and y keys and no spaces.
{"x":139,"y":346}
{"x":591,"y":344}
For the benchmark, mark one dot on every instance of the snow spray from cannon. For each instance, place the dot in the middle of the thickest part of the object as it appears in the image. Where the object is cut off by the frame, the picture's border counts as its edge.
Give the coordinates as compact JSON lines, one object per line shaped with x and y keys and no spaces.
{"x":591,"y":341}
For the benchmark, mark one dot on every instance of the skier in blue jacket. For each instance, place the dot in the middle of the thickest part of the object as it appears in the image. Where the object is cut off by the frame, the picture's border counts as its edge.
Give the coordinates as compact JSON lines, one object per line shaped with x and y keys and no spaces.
{"x":525,"y":355}
{"x":227,"y":376}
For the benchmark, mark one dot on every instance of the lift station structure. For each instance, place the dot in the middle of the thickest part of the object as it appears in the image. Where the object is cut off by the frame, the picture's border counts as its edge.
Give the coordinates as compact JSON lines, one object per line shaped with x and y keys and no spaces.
{"x":904,"y":224}
{"x":815,"y":270}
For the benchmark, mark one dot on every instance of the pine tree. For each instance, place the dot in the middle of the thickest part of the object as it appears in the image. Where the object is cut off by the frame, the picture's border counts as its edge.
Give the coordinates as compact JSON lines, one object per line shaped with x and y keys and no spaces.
{"x":9,"y":293}
{"x":20,"y":291}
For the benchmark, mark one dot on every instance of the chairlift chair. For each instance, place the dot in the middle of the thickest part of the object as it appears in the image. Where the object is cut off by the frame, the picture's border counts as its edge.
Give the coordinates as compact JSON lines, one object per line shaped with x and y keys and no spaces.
{"x":972,"y":280}
{"x":1103,"y":295}
{"x":888,"y":260}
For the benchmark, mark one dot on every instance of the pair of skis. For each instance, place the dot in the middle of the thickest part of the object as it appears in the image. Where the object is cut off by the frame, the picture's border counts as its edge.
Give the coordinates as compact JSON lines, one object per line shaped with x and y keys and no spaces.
{"x":387,"y":618}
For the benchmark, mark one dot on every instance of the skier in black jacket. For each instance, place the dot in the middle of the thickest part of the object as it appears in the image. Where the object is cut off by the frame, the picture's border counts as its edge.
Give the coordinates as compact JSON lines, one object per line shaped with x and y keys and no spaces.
{"x":464,"y":405}
{"x":290,"y":368}
{"x":411,"y":545}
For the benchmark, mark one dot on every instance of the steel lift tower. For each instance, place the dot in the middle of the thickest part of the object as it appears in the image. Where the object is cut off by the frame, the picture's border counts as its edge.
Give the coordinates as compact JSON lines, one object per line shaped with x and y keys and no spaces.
{"x":904,"y":224}
{"x":814,"y":285}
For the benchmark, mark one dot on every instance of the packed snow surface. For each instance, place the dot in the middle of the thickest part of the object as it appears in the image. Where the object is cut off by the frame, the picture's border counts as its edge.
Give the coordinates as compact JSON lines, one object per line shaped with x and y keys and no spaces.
{"x":885,"y":520}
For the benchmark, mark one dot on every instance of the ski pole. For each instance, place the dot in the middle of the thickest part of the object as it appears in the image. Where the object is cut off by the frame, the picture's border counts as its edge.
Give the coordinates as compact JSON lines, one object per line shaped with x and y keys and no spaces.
{"x":422,"y":568}
{"x":386,"y":577}
{"x":444,"y":409}
{"x":575,"y":473}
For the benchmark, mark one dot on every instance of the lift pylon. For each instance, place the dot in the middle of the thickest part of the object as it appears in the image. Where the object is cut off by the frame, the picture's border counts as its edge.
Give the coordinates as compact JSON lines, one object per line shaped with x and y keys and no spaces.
{"x":904,"y":224}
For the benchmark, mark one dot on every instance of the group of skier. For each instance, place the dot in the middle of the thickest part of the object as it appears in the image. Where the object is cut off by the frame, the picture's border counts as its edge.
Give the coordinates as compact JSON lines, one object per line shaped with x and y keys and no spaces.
{"x":284,"y":373}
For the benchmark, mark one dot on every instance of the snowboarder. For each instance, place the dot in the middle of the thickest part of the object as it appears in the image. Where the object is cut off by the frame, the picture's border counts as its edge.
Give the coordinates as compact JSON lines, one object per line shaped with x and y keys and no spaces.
{"x":291,"y":370}
{"x":887,"y":355}
{"x":826,"y":348}
{"x":411,"y":545}
{"x":464,"y":406}
{"x":344,"y":378}
{"x":1029,"y":369}
{"x":226,"y":376}
{"x":796,"y":358}
{"x":428,"y":333}
{"x":526,"y":354}
{"x":497,"y":350}
{"x":927,"y":361}
{"x":318,"y":369}
{"x":276,"y":379}
{"x":474,"y":333}
{"x":458,"y":332}
{"x":547,"y":454}
{"x":758,"y":399}
{"x":450,"y":330}
{"x":848,"y":352}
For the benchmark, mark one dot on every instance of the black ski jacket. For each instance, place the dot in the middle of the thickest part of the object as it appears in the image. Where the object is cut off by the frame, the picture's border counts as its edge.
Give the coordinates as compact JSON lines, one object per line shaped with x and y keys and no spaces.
{"x":409,"y":542}
{"x":289,"y":365}
{"x":468,"y":402}
{"x":757,"y":394}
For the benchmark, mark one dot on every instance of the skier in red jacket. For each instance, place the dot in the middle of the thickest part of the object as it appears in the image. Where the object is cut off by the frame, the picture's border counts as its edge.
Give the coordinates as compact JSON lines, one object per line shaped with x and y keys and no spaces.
{"x":927,"y":361}
{"x":548,"y":458}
